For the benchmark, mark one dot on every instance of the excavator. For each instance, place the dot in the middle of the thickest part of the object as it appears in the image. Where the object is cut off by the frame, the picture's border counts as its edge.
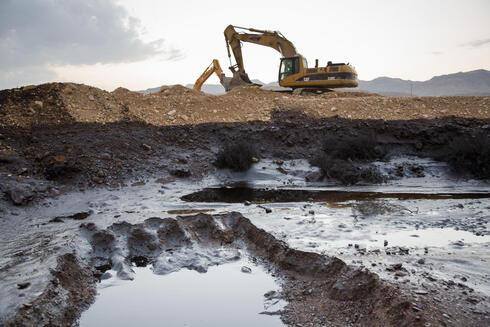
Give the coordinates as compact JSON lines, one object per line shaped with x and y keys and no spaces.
{"x":213,"y":68}
{"x":293,"y":70}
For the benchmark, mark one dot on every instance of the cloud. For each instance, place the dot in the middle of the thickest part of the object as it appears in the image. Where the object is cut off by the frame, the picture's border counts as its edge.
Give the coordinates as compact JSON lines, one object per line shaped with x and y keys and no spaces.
{"x":476,"y":43}
{"x":437,"y":53}
{"x":36,"y":34}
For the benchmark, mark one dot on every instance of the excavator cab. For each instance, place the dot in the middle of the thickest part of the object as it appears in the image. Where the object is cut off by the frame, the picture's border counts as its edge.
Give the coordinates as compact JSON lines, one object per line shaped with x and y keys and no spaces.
{"x":287,"y":67}
{"x":290,"y":66}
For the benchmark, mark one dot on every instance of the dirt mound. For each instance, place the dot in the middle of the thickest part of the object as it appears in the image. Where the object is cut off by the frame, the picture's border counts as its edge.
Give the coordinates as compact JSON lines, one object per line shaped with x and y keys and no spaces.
{"x":59,"y":103}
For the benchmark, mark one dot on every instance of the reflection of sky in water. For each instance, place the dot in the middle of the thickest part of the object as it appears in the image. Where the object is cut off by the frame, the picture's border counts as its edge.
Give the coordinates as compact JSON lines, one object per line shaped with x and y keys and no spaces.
{"x":224,"y":296}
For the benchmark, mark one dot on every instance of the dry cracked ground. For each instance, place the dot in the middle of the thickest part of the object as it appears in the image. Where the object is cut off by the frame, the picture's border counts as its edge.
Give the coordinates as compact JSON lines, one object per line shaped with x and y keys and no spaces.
{"x":73,"y":157}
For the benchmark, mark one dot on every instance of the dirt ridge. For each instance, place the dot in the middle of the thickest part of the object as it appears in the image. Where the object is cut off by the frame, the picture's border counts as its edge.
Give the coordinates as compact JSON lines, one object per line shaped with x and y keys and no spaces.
{"x":61,"y":103}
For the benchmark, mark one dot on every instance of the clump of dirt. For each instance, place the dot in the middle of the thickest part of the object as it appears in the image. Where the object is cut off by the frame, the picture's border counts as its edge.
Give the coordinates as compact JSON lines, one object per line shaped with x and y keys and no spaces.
{"x":236,"y":156}
{"x":347,"y":172}
{"x":61,"y":103}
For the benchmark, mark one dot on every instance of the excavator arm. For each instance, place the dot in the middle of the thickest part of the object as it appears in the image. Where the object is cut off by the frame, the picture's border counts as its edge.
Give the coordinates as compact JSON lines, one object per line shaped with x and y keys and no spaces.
{"x":271,"y":39}
{"x":213,"y":68}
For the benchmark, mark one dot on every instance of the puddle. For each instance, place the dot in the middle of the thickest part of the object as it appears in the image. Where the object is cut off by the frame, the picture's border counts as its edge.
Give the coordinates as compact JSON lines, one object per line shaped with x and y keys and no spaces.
{"x":242,"y":194}
{"x":224,"y":296}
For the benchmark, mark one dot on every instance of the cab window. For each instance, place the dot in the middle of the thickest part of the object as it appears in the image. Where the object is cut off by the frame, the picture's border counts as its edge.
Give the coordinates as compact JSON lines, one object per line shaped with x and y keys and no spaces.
{"x":289,"y":66}
{"x":286,"y":68}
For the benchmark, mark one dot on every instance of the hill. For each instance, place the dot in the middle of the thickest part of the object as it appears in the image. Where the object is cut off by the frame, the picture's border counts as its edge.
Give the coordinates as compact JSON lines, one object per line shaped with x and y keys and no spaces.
{"x":475,"y":82}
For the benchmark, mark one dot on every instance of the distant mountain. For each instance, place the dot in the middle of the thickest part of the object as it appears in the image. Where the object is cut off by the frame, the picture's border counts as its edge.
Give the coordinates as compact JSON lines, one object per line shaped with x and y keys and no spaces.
{"x":475,"y":82}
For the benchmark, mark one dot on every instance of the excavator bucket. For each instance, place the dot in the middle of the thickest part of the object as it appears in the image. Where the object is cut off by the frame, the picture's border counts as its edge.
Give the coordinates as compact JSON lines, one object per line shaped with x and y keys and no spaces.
{"x":237,"y":80}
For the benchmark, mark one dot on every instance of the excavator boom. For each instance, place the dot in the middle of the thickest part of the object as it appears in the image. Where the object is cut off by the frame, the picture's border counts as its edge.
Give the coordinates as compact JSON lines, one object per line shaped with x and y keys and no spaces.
{"x":271,"y":39}
{"x":213,"y":68}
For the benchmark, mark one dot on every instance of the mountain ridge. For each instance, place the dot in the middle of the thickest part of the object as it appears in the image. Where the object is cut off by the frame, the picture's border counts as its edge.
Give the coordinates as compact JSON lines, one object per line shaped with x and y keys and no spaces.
{"x":475,"y":82}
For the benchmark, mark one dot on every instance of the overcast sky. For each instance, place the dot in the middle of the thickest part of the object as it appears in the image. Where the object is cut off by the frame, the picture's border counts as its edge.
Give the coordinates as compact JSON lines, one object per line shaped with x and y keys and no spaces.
{"x":148,"y":43}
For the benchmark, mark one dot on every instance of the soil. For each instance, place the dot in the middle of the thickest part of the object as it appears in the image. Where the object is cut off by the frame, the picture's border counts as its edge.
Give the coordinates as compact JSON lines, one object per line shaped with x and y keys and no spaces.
{"x":56,"y":138}
{"x":45,"y":160}
{"x":61,"y":103}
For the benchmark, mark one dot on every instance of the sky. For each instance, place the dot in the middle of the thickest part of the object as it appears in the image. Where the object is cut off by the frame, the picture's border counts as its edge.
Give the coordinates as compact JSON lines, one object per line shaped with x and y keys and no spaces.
{"x":149,"y":43}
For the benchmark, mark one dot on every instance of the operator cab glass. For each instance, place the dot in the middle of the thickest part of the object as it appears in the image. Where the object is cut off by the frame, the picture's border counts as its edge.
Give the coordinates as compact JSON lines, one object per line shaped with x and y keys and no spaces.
{"x":289,"y":66}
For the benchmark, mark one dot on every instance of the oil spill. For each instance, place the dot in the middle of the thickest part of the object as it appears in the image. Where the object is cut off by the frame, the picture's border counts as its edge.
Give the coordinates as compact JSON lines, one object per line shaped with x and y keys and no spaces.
{"x":224,"y":296}
{"x":263,"y":195}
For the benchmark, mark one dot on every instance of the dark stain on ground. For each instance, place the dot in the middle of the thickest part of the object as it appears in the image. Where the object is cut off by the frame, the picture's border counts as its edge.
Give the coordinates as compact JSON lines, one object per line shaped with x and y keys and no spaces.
{"x":242,"y":194}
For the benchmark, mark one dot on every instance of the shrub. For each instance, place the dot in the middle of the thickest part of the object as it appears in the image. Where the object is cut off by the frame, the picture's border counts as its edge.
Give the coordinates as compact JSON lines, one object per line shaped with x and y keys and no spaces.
{"x":237,"y":156}
{"x":361,"y":147}
{"x":346,"y":172}
{"x":468,"y":154}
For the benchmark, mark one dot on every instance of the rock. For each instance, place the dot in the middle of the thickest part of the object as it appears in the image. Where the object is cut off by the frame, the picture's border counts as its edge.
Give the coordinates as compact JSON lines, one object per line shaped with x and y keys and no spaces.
{"x":106,"y":275}
{"x":270,"y":294}
{"x":21,"y":194}
{"x":255,"y":159}
{"x":394,"y":267}
{"x":247,"y":203}
{"x":5,"y":158}
{"x":91,"y":97}
{"x":246,"y":270}
{"x":22,"y":286}
{"x":106,"y":156}
{"x":385,"y":243}
{"x":333,"y":109}
{"x":171,"y":112}
{"x":400,"y":273}
{"x":181,"y":172}
{"x":38,"y":103}
{"x":315,"y":176}
{"x":97,"y":180}
{"x":403,"y":250}
{"x":421,"y":261}
{"x":146,"y":147}
{"x":458,"y":243}
{"x":421,"y":292}
{"x":184,"y":117}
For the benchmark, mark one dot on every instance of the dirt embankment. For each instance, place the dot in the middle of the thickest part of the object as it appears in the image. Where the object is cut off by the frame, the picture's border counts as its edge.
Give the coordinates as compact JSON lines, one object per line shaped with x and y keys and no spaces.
{"x":88,"y":154}
{"x":57,"y":103}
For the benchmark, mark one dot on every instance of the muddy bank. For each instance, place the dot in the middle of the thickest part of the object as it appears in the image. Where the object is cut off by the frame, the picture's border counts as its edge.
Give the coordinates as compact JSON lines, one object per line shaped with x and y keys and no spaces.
{"x":317,"y":287}
{"x":47,"y":160}
{"x":70,"y":292}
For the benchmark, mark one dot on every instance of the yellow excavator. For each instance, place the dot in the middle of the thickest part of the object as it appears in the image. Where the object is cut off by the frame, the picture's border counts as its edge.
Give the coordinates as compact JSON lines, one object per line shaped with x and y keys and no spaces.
{"x":293,"y":70}
{"x":213,"y":68}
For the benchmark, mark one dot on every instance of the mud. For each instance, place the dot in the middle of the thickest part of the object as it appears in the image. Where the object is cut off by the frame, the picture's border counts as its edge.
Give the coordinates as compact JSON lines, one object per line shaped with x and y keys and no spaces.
{"x":41,"y":167}
{"x":70,"y":292}
{"x":48,"y":160}
{"x":317,"y":284}
{"x":257,"y":195}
